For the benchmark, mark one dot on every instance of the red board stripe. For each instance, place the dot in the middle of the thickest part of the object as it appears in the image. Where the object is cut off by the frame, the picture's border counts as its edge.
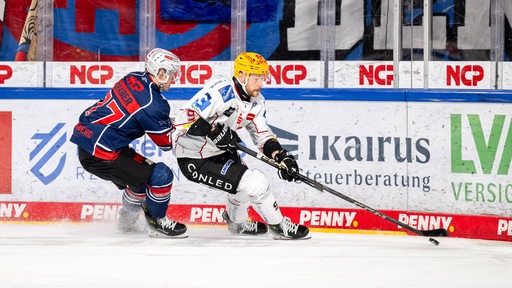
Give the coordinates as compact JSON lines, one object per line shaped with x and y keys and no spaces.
{"x":319,"y":219}
{"x":6,"y":152}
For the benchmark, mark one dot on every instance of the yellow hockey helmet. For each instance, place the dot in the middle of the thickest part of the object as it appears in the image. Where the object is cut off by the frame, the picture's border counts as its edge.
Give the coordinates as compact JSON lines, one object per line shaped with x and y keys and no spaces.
{"x":250,"y":63}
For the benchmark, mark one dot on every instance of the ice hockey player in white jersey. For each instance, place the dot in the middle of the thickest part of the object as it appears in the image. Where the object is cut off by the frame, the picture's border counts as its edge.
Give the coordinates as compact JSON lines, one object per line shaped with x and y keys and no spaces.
{"x":205,"y":143}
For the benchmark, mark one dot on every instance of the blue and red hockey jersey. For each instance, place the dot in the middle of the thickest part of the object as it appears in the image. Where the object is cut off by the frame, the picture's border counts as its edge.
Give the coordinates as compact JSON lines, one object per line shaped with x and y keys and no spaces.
{"x":132,"y":108}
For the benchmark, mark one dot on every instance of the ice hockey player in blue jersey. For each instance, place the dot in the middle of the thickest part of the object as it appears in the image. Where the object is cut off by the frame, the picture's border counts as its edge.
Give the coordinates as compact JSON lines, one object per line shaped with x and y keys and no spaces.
{"x":132,"y":108}
{"x":206,"y":148}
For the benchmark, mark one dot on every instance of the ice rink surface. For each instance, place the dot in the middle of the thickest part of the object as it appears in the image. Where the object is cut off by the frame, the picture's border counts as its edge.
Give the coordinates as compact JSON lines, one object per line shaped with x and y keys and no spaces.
{"x":97,"y":255}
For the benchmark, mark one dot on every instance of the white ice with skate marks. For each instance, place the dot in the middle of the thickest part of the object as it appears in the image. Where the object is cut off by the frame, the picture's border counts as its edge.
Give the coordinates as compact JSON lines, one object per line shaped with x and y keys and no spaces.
{"x":96,"y":255}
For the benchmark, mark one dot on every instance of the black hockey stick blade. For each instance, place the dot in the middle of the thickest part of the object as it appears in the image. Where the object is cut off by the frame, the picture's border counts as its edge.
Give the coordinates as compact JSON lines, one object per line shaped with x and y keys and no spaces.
{"x":435,"y":233}
{"x":320,"y":187}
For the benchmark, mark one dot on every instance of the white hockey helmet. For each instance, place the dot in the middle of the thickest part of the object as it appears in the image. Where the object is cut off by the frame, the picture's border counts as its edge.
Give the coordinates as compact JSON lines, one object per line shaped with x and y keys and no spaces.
{"x":159,"y":58}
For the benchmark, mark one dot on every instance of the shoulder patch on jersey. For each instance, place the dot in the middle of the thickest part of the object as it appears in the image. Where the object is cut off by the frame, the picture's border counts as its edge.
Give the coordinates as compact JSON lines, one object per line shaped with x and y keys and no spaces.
{"x":227,"y":93}
{"x":202,"y":102}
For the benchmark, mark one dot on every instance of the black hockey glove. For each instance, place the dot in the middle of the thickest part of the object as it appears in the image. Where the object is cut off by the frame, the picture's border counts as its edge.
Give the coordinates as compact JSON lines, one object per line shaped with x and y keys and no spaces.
{"x":224,"y":138}
{"x":200,"y":128}
{"x":291,"y":165}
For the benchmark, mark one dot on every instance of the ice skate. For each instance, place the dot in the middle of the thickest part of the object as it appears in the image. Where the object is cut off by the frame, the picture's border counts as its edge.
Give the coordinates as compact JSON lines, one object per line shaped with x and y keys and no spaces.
{"x":246,"y":228}
{"x":287,"y":230}
{"x":164,"y":227}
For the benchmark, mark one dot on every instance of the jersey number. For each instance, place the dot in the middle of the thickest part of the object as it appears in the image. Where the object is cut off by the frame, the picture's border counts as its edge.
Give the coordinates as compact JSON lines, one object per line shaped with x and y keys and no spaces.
{"x":115,"y":115}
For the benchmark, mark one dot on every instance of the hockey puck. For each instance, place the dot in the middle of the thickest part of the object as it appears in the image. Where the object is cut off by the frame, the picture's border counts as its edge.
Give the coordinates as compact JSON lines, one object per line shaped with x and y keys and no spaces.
{"x":434,"y":241}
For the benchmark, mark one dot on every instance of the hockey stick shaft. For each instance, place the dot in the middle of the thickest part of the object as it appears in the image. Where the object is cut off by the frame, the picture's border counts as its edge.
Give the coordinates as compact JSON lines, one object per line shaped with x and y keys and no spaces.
{"x":28,"y":40}
{"x":435,"y":232}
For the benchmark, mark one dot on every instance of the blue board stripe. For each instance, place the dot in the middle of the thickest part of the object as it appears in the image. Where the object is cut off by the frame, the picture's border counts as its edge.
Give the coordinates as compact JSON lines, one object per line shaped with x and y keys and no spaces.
{"x":316,"y":94}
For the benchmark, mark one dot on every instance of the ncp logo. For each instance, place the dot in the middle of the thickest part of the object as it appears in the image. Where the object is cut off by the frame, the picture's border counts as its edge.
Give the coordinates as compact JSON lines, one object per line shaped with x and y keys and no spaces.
{"x":5,"y":73}
{"x":49,"y":156}
{"x":376,"y":74}
{"x":94,"y":74}
{"x":195,"y":73}
{"x":468,"y":75}
{"x":291,"y":74}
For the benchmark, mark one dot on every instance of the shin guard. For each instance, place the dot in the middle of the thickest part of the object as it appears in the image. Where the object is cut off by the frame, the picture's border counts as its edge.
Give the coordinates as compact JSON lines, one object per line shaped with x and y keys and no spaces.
{"x":159,"y":190}
{"x":237,"y":207}
{"x":255,"y":185}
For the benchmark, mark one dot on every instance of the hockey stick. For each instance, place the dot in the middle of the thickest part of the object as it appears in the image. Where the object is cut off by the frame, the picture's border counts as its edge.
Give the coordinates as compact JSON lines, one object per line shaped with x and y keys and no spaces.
{"x":28,"y":40}
{"x":429,"y":233}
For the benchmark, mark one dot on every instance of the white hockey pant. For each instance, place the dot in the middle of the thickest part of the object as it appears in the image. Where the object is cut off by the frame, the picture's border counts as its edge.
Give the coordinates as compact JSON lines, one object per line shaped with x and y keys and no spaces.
{"x":253,"y":190}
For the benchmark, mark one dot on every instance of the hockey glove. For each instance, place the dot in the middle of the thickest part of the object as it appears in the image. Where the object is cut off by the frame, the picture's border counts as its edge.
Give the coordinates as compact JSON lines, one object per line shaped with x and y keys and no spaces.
{"x":224,"y":138}
{"x":291,"y":165}
{"x":200,"y":128}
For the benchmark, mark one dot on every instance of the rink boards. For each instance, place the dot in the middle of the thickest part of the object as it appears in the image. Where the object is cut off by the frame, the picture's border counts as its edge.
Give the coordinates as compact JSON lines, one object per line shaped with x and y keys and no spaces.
{"x":429,"y":158}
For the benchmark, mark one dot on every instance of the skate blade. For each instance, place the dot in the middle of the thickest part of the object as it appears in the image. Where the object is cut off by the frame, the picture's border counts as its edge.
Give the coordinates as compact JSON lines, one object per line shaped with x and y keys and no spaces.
{"x":288,"y":238}
{"x":155,"y":234}
{"x":245,"y":235}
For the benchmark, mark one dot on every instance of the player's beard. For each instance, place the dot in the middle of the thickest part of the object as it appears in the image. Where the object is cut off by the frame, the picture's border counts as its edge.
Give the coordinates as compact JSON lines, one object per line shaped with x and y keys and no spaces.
{"x":254,"y":92}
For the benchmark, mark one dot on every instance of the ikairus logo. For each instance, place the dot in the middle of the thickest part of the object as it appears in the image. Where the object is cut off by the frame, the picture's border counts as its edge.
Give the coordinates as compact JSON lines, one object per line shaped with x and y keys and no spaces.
{"x":47,"y":163}
{"x":481,"y":145}
{"x":287,"y":140}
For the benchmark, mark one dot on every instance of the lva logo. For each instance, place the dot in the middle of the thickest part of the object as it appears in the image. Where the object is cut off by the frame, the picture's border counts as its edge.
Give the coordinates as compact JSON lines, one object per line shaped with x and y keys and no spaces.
{"x":45,"y":154}
{"x":486,"y":150}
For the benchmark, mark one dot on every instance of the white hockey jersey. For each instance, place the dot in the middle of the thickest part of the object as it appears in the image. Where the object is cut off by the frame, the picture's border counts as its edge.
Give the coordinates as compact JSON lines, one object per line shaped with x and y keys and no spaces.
{"x":219,"y":102}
